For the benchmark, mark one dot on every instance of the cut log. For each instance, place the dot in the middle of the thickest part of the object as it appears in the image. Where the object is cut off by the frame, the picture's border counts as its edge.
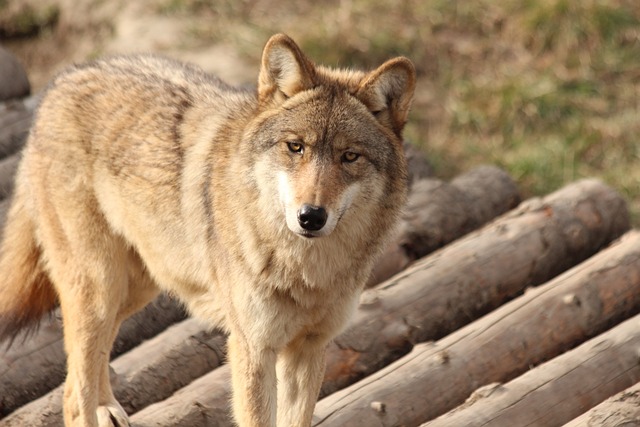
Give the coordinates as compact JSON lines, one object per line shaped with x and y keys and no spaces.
{"x":31,"y":368}
{"x":437,"y":213}
{"x":475,"y":274}
{"x":544,"y":322}
{"x":559,"y":390}
{"x":621,"y":410}
{"x":149,"y":373}
{"x":503,"y":259}
{"x":204,"y":403}
{"x":150,"y":321}
{"x":155,"y":369}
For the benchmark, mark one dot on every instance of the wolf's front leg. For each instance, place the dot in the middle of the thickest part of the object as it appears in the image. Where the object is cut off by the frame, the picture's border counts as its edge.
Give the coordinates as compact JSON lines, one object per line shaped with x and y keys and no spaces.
{"x":300,"y":370}
{"x":253,"y":376}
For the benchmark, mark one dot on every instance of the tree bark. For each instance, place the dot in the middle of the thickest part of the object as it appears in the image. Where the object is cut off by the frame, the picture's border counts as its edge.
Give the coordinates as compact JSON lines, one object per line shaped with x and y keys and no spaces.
{"x":149,"y":373}
{"x":620,"y":410}
{"x":559,"y":390}
{"x":203,"y":403}
{"x":438,"y":212}
{"x":33,"y":367}
{"x":475,"y":274}
{"x":154,"y":370}
{"x":538,"y":326}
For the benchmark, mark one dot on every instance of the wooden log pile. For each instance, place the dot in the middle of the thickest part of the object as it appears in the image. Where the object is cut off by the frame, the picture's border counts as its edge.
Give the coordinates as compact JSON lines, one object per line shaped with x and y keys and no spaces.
{"x":482,"y":311}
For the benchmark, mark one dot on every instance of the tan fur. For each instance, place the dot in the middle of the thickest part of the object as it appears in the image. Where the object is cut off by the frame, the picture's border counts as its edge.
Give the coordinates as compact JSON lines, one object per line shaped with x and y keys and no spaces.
{"x":142,"y":175}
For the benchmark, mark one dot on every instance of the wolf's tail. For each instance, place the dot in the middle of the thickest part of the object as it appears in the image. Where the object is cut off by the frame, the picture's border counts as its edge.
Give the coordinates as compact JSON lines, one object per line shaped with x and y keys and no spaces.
{"x":26,"y":293}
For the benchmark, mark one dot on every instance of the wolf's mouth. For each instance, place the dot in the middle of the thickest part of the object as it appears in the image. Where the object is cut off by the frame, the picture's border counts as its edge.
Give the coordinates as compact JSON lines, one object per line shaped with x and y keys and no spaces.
{"x":307,"y":234}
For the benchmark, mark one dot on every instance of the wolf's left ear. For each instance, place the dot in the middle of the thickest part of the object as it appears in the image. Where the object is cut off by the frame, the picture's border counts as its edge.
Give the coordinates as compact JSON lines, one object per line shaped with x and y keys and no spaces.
{"x":388,"y":92}
{"x":285,"y":70}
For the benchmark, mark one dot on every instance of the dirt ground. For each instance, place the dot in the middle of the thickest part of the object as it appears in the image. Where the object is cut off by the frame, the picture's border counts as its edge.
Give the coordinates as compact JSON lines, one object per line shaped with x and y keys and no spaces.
{"x":87,"y":28}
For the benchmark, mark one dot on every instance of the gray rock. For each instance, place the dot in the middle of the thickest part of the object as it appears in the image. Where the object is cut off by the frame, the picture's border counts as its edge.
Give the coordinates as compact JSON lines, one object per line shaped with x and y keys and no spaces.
{"x":13,"y":78}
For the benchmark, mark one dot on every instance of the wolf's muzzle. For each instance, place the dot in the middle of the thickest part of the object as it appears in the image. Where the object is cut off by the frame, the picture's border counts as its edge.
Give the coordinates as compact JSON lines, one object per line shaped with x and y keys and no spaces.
{"x":312,"y":218}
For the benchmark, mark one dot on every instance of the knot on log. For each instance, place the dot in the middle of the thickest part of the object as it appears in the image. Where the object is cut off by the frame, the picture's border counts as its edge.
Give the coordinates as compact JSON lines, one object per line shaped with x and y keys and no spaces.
{"x":379,"y":407}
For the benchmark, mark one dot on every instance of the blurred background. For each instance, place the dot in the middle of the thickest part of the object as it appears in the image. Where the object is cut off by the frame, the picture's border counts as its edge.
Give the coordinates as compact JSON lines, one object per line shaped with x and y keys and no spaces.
{"x":549,"y":90}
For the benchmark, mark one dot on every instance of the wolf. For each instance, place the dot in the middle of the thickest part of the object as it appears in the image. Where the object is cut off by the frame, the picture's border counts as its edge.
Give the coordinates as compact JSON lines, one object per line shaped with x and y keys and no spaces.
{"x":262,"y":210}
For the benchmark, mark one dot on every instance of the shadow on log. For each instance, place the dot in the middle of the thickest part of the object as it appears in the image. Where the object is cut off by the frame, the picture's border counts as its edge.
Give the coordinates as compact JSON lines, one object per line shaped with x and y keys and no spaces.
{"x":155,"y":369}
{"x":438,"y":212}
{"x":14,"y":82}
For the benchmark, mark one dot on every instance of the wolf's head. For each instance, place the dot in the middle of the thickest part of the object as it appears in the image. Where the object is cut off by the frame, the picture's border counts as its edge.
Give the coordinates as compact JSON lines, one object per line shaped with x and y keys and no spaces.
{"x":327,"y":143}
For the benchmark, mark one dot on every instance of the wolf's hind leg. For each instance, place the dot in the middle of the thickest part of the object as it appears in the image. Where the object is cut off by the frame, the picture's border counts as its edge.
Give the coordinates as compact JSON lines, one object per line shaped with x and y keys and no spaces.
{"x":92,"y":312}
{"x":89,"y":324}
{"x":141,"y":291}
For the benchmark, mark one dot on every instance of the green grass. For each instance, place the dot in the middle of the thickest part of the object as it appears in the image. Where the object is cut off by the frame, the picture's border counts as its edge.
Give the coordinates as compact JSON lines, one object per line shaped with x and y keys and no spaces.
{"x":547,"y":89}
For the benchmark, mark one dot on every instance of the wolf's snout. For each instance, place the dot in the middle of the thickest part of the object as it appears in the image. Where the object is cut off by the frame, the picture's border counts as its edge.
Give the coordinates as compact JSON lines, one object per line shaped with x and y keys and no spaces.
{"x":312,"y":218}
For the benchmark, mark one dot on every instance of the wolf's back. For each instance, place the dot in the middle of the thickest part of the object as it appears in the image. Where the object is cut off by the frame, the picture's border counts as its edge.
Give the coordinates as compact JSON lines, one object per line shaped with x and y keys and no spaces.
{"x":26,"y":292}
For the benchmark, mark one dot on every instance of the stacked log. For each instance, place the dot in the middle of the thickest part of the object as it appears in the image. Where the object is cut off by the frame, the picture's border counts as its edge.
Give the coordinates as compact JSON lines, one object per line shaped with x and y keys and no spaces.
{"x":439,"y":212}
{"x":559,"y":390}
{"x":544,"y":322}
{"x":33,"y":367}
{"x":475,"y":274}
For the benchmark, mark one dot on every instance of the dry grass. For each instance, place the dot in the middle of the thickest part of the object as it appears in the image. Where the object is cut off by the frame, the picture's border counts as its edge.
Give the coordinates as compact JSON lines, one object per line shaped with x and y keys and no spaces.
{"x":547,"y":89}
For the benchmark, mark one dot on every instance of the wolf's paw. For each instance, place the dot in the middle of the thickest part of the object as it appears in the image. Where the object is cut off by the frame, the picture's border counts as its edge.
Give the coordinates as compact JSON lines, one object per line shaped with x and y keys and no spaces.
{"x":112,"y":415}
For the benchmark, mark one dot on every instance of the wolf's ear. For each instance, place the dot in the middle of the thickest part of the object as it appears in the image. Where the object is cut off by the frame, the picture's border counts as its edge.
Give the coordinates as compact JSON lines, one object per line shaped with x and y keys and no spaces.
{"x":285,"y":70}
{"x":388,"y":92}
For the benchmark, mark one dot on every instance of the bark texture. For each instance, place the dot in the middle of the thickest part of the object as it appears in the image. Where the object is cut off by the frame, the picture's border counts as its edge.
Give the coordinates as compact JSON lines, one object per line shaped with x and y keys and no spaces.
{"x":474,"y":275}
{"x":559,"y":390}
{"x":544,"y":322}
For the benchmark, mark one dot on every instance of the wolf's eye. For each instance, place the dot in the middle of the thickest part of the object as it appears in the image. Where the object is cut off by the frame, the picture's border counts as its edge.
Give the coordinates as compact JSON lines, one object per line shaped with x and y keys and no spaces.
{"x":295,"y":147}
{"x":350,"y":157}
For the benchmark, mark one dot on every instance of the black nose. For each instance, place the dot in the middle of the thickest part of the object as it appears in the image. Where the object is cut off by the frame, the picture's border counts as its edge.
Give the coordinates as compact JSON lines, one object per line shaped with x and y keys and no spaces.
{"x":312,"y":218}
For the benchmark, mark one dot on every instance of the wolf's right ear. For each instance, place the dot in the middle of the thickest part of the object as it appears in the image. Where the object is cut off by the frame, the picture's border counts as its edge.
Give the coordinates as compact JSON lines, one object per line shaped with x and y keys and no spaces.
{"x":285,"y":70}
{"x":388,"y":92}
